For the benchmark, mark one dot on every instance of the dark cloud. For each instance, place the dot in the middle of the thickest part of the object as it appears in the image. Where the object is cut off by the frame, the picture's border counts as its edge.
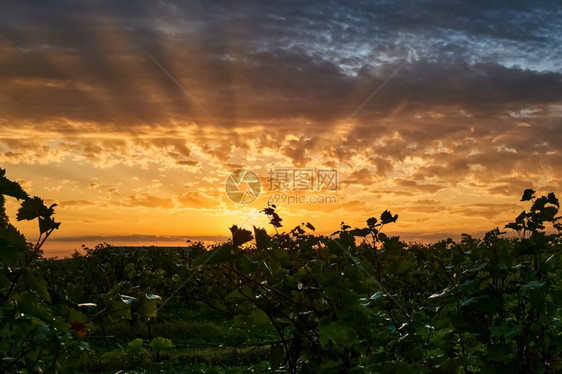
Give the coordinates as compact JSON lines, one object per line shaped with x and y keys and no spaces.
{"x":254,"y":60}
{"x":360,"y":176}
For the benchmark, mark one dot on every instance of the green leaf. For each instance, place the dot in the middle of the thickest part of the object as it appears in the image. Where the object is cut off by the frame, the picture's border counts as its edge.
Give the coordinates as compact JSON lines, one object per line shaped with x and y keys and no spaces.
{"x":506,"y":330}
{"x":115,"y":356}
{"x":277,"y":356}
{"x":13,"y":245}
{"x":40,"y":332}
{"x":36,"y":283}
{"x":135,"y":346}
{"x":400,"y":266}
{"x":478,"y":268}
{"x":79,"y":322}
{"x":531,"y":285}
{"x":246,"y":265}
{"x":340,"y":335}
{"x":220,"y":254}
{"x":147,"y":305}
{"x":29,"y":303}
{"x":161,"y":344}
{"x":259,"y":317}
{"x":118,"y":309}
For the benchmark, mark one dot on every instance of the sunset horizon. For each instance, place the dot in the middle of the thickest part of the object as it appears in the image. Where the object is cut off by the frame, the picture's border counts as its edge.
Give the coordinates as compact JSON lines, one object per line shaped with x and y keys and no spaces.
{"x":133,"y":117}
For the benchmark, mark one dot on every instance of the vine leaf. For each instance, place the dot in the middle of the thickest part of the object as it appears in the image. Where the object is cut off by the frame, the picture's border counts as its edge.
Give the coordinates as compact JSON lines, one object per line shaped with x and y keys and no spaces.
{"x":240,"y":236}
{"x":338,"y":334}
{"x":277,"y":356}
{"x":387,"y":217}
{"x":528,"y":194}
{"x":262,"y":239}
{"x":11,"y":188}
{"x":220,"y":254}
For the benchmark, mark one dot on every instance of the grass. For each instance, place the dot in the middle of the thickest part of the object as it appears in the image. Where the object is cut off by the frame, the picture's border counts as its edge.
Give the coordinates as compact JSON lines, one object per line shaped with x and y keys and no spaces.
{"x":204,"y":342}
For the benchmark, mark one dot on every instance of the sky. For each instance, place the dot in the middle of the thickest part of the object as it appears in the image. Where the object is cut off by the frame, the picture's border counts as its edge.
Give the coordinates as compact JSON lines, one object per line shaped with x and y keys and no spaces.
{"x":131,"y":115}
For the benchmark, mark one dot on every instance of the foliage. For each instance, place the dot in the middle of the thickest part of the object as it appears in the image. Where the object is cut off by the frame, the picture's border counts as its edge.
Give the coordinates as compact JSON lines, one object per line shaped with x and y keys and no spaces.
{"x":32,"y":336}
{"x":354,"y":301}
{"x":486,"y":305}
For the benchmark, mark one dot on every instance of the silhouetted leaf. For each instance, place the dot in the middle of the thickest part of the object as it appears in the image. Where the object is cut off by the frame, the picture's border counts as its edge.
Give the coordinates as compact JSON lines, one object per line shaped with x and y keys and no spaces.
{"x":275,"y":220}
{"x":10,"y":188}
{"x":262,"y":239}
{"x":387,"y":217}
{"x":514,"y":226}
{"x":549,"y":212}
{"x":31,"y":209}
{"x":12,"y":245}
{"x":539,"y":203}
{"x":269,"y":211}
{"x":240,"y":236}
{"x":521,"y":218}
{"x":360,"y":232}
{"x":372,"y":222}
{"x":528,"y":194}
{"x":551,"y":198}
{"x":47,"y":224}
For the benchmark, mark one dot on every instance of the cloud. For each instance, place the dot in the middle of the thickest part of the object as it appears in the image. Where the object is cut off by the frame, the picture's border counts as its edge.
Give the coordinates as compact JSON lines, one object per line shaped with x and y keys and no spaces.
{"x":148,"y":201}
{"x":69,"y":203}
{"x":361,"y":176}
{"x":413,"y":185}
{"x":199,"y":200}
{"x":475,"y":107}
{"x":489,"y":211}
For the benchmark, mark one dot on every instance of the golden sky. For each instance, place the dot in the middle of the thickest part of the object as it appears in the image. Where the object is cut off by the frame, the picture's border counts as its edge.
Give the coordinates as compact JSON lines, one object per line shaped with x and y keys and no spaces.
{"x":131,"y":115}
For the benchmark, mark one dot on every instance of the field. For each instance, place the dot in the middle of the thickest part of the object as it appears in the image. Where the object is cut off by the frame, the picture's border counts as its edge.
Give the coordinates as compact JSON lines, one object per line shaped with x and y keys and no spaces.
{"x":353,"y":302}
